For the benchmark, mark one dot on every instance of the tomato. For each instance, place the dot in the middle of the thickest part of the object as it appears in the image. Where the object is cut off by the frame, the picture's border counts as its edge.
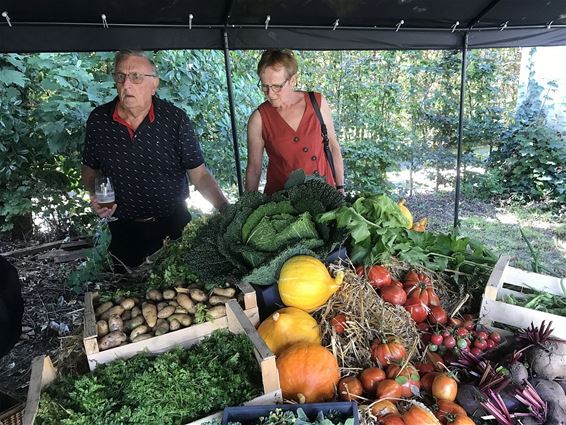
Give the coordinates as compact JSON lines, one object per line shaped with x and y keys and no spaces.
{"x":408,"y":377}
{"x":370,"y":377}
{"x":462,"y":420}
{"x":475,"y":351}
{"x":462,"y":331}
{"x":391,"y":419}
{"x":449,"y":341}
{"x":424,"y":368}
{"x":437,"y":315}
{"x":377,"y":276}
{"x":417,"y":310}
{"x":396,"y":283}
{"x":490,"y":344}
{"x":480,"y":343}
{"x":426,"y":380}
{"x":447,"y":407}
{"x":436,"y":339}
{"x":415,"y":278}
{"x":388,"y":388}
{"x":422,"y":293}
{"x":388,"y":351}
{"x":455,"y":321}
{"x":495,"y":337}
{"x":423,"y":326}
{"x":394,"y":295}
{"x":461,"y":343}
{"x":469,"y":325}
{"x":482,"y":335}
{"x":432,"y":347}
{"x":350,"y":388}
{"x":444,"y":387}
{"x":418,"y":415}
{"x":338,"y":322}
{"x":436,"y":360}
{"x":382,"y":408}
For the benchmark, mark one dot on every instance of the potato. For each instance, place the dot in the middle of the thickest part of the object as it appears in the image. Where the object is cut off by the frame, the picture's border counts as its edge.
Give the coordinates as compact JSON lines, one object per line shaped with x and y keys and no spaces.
{"x":149,"y":312}
{"x":128,"y":303}
{"x":139,"y":330}
{"x":183,"y":319}
{"x":174,"y":303}
{"x":154,"y":295}
{"x":117,"y":309}
{"x":216,"y":312}
{"x":115,"y":323}
{"x":136,"y":311}
{"x":218,"y":300}
{"x":103,"y":308}
{"x":133,"y":323}
{"x":118,"y":299}
{"x":162,"y":305}
{"x":102,"y":328}
{"x":174,"y":325}
{"x":197,"y":295}
{"x":224,"y":292}
{"x":142,"y":337}
{"x":186,"y":302}
{"x":166,"y":312}
{"x":113,"y":339}
{"x":169,"y":294}
{"x":181,"y":310}
{"x":127,"y":315}
{"x":162,"y":327}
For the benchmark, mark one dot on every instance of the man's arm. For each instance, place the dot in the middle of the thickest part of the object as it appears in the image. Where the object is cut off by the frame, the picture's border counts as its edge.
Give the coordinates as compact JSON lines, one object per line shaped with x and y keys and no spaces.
{"x":207,"y":186}
{"x":333,"y":142}
{"x":88,"y":177}
{"x":255,"y":152}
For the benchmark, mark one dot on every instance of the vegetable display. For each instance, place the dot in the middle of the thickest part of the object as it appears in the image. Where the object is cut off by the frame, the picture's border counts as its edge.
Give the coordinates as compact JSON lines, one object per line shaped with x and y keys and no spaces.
{"x":173,"y":388}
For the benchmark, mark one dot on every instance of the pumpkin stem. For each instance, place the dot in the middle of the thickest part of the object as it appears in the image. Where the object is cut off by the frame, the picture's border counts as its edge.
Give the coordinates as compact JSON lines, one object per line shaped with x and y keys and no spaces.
{"x":275,"y":316}
{"x":301,"y":398}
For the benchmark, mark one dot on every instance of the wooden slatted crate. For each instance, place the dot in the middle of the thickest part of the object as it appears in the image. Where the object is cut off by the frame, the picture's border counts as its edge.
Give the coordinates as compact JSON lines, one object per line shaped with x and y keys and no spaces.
{"x":236,"y":321}
{"x":157,"y":344}
{"x":507,"y":280}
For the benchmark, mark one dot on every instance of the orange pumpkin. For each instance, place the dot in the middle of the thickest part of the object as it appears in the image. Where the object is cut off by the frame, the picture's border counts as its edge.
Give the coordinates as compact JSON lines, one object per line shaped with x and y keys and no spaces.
{"x":308,"y":373}
{"x":418,"y":414}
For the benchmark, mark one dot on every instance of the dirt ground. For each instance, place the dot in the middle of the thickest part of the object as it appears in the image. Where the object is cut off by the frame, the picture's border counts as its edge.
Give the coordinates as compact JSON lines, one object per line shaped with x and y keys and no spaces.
{"x":52,"y":322}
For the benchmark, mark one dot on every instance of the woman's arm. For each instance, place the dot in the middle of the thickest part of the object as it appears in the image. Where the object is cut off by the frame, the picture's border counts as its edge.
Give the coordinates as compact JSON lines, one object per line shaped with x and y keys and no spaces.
{"x":255,"y":152}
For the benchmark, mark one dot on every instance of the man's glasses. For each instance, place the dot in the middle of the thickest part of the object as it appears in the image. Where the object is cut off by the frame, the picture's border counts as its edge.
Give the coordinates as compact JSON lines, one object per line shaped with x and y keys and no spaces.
{"x":275,"y":88}
{"x":135,"y":77}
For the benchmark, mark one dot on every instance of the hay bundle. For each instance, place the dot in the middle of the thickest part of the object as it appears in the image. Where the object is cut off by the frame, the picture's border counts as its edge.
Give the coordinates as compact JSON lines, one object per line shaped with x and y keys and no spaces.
{"x":368,"y":317}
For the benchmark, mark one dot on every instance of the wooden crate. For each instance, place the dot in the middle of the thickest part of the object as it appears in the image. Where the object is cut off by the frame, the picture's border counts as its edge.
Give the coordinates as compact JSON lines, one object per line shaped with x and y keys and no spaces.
{"x":44,"y":373}
{"x":507,"y":280}
{"x":157,"y":344}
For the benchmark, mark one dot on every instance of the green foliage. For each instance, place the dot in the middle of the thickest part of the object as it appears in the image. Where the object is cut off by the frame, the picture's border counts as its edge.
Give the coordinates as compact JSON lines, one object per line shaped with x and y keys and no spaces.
{"x":288,"y":417}
{"x":173,"y":388}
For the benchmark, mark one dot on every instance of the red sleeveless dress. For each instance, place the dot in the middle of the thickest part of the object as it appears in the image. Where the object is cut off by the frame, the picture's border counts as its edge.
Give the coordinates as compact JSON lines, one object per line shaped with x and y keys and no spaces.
{"x":289,"y":150}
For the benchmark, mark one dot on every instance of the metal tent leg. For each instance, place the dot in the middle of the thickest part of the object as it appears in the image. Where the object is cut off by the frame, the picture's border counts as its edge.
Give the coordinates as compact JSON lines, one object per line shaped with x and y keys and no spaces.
{"x":460,"y":129}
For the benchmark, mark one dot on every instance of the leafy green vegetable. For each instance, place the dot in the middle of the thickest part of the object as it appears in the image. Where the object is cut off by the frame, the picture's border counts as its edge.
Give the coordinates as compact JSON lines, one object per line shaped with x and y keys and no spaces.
{"x":172,"y":388}
{"x":288,"y":417}
{"x":251,"y":239}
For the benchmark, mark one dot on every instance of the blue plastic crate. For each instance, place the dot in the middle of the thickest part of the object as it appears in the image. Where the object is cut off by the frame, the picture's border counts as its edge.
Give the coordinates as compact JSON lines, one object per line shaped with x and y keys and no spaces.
{"x":245,"y":414}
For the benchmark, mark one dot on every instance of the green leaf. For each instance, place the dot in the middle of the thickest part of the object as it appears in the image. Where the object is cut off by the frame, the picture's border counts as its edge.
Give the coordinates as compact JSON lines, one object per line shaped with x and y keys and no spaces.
{"x":11,"y":76}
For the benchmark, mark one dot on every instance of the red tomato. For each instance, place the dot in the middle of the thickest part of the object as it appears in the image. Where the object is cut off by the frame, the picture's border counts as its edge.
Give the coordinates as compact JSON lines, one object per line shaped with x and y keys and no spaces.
{"x":388,"y":351}
{"x":462,"y":331}
{"x":426,"y":380}
{"x":391,"y":419}
{"x":408,"y":377}
{"x":475,"y":351}
{"x":490,"y":343}
{"x":495,"y":337}
{"x":417,"y":310}
{"x":436,"y":339}
{"x":370,"y":377}
{"x":444,"y":387}
{"x":377,"y":276}
{"x":445,"y":408}
{"x":449,"y":341}
{"x":338,"y":322}
{"x":396,"y":283}
{"x":482,"y":335}
{"x":350,"y":388}
{"x":388,"y":388}
{"x":437,"y":315}
{"x":480,"y":343}
{"x":469,"y":325}
{"x":394,"y":295}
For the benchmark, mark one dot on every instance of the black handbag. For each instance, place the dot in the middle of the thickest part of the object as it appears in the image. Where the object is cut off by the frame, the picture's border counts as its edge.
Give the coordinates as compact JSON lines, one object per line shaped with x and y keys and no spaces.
{"x":324,"y":134}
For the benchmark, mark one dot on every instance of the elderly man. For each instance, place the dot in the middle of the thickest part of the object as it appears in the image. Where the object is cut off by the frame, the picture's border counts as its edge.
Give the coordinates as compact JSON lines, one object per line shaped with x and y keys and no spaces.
{"x":147,"y":147}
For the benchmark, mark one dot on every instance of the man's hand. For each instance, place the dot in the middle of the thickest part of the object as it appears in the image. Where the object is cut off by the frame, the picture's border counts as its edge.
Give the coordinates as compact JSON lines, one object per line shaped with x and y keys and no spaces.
{"x":102,"y":212}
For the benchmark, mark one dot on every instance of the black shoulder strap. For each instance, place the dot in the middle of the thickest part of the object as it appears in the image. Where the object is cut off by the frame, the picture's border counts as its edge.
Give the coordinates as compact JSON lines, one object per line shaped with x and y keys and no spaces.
{"x":324,"y":134}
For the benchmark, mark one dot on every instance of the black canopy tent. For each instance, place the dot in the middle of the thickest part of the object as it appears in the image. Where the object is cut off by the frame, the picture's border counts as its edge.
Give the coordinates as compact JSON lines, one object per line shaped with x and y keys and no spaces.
{"x":97,"y":25}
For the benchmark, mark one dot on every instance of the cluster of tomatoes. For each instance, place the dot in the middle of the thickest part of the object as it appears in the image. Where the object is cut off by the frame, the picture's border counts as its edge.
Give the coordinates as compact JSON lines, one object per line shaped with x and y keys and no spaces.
{"x":463,"y":337}
{"x":416,"y":293}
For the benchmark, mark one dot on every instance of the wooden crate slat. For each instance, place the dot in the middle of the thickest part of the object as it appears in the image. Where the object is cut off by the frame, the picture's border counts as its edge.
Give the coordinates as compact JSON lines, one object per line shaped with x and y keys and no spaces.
{"x":537,"y":281}
{"x":42,"y":374}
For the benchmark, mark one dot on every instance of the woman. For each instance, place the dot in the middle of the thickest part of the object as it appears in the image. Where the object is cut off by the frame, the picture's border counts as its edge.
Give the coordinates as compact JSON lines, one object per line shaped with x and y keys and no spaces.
{"x":286,"y":126}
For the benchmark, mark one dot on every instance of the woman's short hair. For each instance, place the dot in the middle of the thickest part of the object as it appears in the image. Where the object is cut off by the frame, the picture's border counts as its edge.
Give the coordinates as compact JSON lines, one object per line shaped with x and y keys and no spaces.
{"x":126,"y":53}
{"x":275,"y":57}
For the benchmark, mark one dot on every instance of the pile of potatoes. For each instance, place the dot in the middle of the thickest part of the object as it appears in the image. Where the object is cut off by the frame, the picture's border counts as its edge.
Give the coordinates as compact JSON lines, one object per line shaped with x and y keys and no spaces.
{"x":126,"y":320}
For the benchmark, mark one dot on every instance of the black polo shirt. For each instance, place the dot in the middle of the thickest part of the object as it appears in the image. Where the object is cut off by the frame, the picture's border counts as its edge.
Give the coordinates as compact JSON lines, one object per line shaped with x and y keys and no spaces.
{"x":148,"y":167}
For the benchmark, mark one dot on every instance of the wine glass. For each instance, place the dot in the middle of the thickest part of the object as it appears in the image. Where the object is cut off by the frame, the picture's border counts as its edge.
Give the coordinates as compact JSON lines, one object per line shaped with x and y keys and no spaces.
{"x":104,"y":192}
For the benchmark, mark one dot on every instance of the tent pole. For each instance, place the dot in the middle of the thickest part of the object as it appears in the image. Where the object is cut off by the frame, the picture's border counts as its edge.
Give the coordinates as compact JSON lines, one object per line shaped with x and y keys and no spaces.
{"x":460,"y":128}
{"x":228,"y":65}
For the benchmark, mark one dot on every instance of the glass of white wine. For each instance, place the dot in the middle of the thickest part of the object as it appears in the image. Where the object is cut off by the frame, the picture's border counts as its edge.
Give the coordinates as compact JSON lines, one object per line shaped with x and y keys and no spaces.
{"x":104,"y":192}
